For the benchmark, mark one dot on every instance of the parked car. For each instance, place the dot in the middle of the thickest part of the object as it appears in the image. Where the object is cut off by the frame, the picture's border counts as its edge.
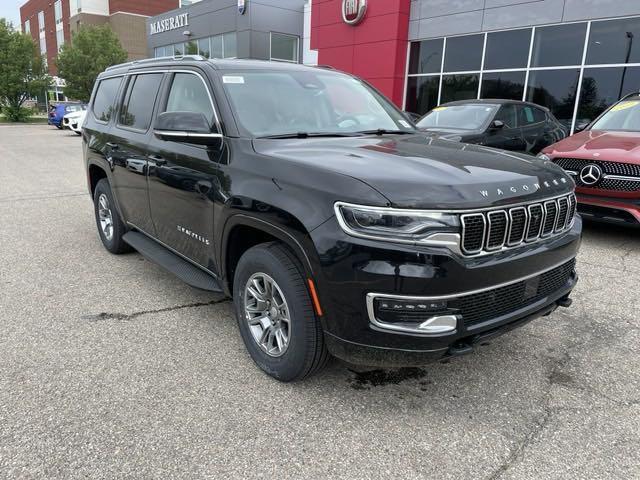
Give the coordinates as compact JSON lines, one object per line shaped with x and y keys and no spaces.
{"x":74,"y":120}
{"x":506,"y":124}
{"x":59,"y":110}
{"x":604,"y":161}
{"x":334,"y":225}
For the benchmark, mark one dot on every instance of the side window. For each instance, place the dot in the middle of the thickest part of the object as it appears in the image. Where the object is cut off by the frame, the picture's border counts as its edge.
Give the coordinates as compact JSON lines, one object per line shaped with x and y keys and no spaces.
{"x":189,"y":94}
{"x":139,"y":99}
{"x":530,"y":115}
{"x":104,"y":103}
{"x":507,"y":115}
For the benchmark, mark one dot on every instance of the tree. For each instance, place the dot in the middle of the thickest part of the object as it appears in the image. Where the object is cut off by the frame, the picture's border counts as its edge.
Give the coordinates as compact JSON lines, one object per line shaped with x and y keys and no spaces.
{"x":22,"y":71}
{"x":91,"y":51}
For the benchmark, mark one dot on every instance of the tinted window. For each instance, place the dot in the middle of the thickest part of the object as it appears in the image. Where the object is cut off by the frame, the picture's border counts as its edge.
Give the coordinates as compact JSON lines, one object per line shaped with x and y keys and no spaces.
{"x":284,"y":47}
{"x":422,"y":94}
{"x":508,"y":116}
{"x":137,"y":107}
{"x":528,"y":115}
{"x":189,"y":94}
{"x":508,"y":49}
{"x":463,"y":53}
{"x":509,"y":85}
{"x":459,"y":87}
{"x":103,"y":103}
{"x":602,"y":87}
{"x":559,"y":45}
{"x":426,"y":57}
{"x":556,"y":90}
{"x":614,"y":41}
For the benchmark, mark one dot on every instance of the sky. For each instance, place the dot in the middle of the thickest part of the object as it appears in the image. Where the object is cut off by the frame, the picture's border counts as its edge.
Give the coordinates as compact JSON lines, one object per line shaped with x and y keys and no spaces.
{"x":10,"y":9}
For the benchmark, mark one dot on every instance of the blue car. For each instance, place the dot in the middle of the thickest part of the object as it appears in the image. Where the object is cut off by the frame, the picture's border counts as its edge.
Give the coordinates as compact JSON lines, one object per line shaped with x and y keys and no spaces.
{"x":59,"y":110}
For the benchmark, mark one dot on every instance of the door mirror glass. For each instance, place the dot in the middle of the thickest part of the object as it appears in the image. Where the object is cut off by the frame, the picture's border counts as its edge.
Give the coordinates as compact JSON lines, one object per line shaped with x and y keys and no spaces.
{"x":186,"y":127}
{"x":497,"y":125}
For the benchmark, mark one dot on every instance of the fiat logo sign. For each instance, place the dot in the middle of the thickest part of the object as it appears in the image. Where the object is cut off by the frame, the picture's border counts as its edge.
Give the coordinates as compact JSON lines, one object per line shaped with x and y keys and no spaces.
{"x":353,"y":11}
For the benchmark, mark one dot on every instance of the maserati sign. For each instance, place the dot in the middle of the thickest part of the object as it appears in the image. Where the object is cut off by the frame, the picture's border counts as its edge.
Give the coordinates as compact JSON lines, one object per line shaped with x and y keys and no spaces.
{"x":353,"y":11}
{"x":242,"y":6}
{"x":172,"y":23}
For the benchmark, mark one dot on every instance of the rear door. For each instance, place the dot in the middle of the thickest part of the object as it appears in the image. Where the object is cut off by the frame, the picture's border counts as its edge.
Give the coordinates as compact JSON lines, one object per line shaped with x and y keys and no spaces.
{"x":128,"y":141}
{"x":182,"y":176}
{"x":509,"y":137}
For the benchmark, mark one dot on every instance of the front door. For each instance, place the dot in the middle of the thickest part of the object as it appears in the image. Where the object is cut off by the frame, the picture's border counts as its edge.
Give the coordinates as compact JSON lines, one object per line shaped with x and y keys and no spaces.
{"x":509,"y":137}
{"x":127,"y":146}
{"x":182,"y":177}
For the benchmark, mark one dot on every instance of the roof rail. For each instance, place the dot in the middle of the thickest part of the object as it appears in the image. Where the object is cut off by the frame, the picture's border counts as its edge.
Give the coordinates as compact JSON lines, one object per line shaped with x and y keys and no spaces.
{"x":152,"y":60}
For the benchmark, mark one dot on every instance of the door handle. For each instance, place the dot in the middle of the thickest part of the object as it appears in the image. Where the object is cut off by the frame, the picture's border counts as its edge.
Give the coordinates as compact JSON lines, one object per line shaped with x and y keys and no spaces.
{"x":113,"y":146}
{"x":158,"y":160}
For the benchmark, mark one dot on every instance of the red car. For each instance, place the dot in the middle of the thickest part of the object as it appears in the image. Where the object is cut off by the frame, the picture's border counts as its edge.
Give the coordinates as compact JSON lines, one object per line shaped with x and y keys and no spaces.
{"x":604,"y":161}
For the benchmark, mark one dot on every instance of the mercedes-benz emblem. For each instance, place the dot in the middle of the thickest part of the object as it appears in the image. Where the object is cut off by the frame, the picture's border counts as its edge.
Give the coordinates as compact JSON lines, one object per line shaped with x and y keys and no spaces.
{"x":590,"y":174}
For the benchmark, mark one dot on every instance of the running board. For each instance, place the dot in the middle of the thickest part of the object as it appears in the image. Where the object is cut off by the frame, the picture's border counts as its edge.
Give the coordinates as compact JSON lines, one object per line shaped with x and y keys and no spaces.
{"x":181,"y":268}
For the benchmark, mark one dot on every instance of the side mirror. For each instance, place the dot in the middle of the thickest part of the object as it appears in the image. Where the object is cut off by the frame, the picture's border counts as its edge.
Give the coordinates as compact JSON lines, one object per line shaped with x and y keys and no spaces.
{"x":414,"y":117}
{"x":496,"y":125}
{"x":186,"y":127}
{"x":580,"y":127}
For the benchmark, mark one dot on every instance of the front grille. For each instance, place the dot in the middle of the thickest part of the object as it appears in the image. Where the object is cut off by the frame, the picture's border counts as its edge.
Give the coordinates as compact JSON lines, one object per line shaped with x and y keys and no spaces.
{"x":611,"y":171}
{"x":491,"y":304}
{"x":496,"y":229}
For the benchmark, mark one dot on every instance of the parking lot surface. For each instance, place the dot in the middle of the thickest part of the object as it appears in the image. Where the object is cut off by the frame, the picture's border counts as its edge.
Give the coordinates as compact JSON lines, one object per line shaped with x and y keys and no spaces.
{"x":112,"y":368}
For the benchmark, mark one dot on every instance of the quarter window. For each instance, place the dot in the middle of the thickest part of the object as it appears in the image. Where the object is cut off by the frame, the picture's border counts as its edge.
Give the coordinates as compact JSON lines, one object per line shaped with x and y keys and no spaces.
{"x":189,"y":94}
{"x":137,"y":107}
{"x":103,"y":104}
{"x":528,"y":115}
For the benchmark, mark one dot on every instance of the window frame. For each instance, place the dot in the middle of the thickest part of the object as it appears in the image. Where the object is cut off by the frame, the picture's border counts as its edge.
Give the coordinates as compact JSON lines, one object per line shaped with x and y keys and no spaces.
{"x":527,"y":70}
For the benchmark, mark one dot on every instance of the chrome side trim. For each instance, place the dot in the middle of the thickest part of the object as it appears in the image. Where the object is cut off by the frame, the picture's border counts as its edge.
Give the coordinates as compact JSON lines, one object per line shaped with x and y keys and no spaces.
{"x":171,"y":133}
{"x":621,"y":177}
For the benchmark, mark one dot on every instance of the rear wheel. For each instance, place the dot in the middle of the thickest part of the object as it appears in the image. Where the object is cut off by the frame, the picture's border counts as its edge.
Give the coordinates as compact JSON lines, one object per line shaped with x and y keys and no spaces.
{"x":110,"y":226}
{"x":275,"y":314}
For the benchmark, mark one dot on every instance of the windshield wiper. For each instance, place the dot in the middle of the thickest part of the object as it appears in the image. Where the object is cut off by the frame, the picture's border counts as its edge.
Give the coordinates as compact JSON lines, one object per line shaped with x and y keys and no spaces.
{"x":311,"y":134}
{"x":384,"y":131}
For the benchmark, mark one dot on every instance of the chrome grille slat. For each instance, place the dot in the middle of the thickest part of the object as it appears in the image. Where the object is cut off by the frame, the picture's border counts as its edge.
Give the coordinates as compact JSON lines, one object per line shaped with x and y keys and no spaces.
{"x":497,"y":229}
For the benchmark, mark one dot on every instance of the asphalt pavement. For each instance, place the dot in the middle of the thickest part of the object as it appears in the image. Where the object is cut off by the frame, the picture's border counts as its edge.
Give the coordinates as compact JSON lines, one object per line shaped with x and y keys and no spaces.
{"x":112,"y":368}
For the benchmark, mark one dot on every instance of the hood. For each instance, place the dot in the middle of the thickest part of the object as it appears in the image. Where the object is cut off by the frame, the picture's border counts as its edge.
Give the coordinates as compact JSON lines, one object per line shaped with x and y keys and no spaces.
{"x":419,"y":171}
{"x":599,"y":145}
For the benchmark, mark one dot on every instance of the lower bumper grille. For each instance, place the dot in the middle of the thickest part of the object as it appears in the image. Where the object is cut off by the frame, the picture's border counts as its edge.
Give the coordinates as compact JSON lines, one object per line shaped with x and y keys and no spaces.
{"x":480,"y":307}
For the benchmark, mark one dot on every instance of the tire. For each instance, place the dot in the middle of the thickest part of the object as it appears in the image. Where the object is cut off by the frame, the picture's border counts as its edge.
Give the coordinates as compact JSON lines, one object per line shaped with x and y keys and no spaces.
{"x":111,"y":237}
{"x":305,"y":352}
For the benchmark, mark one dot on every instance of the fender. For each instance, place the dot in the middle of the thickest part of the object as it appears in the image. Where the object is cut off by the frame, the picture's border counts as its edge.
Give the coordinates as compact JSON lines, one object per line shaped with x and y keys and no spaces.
{"x":103,"y":165}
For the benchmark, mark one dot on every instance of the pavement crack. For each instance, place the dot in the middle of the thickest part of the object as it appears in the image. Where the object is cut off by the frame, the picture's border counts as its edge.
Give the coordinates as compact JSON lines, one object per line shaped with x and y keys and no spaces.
{"x":130,"y":316}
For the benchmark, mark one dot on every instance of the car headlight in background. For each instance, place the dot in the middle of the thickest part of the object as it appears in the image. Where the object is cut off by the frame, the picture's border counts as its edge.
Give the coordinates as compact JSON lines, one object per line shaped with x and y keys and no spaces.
{"x":394,"y":225}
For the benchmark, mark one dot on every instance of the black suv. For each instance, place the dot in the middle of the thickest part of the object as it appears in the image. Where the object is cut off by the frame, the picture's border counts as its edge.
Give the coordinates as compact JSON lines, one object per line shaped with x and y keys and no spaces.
{"x":333,"y":223}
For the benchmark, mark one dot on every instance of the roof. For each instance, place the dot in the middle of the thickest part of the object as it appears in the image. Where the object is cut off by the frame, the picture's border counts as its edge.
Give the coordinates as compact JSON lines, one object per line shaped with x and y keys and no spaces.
{"x":218,"y":64}
{"x":492,"y":101}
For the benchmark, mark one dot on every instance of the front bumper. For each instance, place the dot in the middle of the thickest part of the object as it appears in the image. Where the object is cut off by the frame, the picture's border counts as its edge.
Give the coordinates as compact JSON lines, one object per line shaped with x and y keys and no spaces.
{"x":613,"y":210}
{"x":354,"y":272}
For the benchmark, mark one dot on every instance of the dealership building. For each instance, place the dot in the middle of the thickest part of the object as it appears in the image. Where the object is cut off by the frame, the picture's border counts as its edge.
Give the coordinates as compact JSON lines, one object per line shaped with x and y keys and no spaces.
{"x":573,"y":56}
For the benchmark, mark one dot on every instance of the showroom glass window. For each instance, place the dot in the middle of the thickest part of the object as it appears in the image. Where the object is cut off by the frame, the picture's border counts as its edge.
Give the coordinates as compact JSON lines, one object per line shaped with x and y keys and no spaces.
{"x":575,"y":69}
{"x":284,"y":48}
{"x":218,"y":46}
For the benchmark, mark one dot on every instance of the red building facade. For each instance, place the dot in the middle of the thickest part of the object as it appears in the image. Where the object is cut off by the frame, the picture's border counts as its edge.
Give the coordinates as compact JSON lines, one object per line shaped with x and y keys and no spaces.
{"x":373,"y":46}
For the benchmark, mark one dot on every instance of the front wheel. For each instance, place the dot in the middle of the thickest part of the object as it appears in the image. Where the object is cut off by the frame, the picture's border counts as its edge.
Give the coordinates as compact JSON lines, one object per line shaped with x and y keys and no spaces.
{"x":110,"y":226}
{"x":275,"y":314}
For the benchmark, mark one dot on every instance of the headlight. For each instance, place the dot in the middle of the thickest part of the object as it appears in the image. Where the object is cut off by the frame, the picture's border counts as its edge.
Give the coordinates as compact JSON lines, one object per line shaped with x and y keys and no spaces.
{"x":543,"y":157}
{"x":394,"y":225}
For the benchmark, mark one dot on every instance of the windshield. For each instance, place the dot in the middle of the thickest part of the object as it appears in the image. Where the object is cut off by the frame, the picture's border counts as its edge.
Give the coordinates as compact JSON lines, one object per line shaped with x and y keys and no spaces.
{"x":314,"y":102}
{"x":463,"y":117}
{"x":623,"y":116}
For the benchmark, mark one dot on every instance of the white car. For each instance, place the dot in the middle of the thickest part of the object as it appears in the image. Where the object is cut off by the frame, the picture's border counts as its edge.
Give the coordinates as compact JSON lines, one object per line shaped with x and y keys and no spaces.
{"x":74,"y":120}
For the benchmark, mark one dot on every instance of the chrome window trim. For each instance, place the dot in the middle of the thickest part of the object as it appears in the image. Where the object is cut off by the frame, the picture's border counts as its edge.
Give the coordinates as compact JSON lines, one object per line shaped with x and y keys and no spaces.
{"x":371,"y":297}
{"x":525,"y":229}
{"x":171,"y":133}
